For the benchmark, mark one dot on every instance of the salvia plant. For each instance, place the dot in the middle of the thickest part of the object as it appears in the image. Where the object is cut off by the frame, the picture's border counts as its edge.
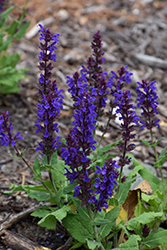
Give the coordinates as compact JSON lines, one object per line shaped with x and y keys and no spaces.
{"x":86,"y":182}
{"x":10,"y":29}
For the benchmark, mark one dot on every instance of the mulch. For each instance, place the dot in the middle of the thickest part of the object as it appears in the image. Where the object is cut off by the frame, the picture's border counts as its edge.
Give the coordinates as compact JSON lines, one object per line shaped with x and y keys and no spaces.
{"x":133,"y":34}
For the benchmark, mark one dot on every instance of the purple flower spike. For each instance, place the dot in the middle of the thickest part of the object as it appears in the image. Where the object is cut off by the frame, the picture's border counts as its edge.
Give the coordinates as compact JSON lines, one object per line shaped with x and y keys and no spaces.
{"x":128,"y":119}
{"x":105,"y":183}
{"x":147,"y":101}
{"x":6,"y":137}
{"x":80,"y":142}
{"x":50,"y":102}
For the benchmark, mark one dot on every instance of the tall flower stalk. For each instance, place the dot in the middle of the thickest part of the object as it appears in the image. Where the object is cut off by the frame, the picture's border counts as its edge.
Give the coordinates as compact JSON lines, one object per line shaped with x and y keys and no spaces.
{"x":147,"y":101}
{"x":128,"y":118}
{"x":50,"y":98}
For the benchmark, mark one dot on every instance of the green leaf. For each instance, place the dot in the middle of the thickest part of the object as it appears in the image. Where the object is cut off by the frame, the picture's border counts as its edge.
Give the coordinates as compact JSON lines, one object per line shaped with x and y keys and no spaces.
{"x":113,"y":202}
{"x":111,"y":217}
{"x":12,"y":28}
{"x":124,"y":190}
{"x":84,"y":213}
{"x":130,"y":244}
{"x":49,"y":221}
{"x":40,"y":213}
{"x":58,"y":171}
{"x":38,"y":195}
{"x":76,"y":246}
{"x":156,"y":239}
{"x":106,"y":148}
{"x":16,"y":188}
{"x":162,"y":158}
{"x":78,"y":228}
{"x":143,"y":219}
{"x":145,"y":173}
{"x":22,"y":30}
{"x":6,"y":12}
{"x":69,"y":188}
{"x":92,"y":244}
{"x":163,"y":247}
{"x":61,"y":213}
{"x":8,"y":61}
{"x":9,"y":81}
{"x":150,"y":145}
{"x":36,"y":167}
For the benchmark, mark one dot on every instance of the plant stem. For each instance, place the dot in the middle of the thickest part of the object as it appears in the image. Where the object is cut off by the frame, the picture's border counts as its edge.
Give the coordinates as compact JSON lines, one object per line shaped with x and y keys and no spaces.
{"x":94,"y":227}
{"x":156,"y":155}
{"x":24,"y":160}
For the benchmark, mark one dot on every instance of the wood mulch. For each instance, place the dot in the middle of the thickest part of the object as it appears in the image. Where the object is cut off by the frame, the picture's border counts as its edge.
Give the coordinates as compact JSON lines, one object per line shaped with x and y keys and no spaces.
{"x":134,"y":34}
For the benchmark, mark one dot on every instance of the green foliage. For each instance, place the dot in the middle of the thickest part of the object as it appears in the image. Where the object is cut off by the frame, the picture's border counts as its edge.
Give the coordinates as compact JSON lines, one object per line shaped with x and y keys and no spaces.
{"x":9,"y":75}
{"x":80,"y":229}
{"x":155,"y":240}
{"x":130,"y":244}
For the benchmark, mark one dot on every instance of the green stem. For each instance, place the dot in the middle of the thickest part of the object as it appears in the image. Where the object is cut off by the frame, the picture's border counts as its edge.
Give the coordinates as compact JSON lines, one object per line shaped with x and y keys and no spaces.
{"x":51,"y":176}
{"x":24,"y":160}
{"x":156,"y":155}
{"x":94,"y":227}
{"x":52,"y":182}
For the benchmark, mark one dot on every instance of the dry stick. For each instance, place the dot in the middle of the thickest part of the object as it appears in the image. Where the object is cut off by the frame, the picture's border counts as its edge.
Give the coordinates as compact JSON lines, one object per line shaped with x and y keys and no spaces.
{"x":8,"y":223}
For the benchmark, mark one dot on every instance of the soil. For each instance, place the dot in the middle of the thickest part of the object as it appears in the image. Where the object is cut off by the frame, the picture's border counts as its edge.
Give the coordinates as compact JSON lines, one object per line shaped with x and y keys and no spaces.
{"x":130,"y":30}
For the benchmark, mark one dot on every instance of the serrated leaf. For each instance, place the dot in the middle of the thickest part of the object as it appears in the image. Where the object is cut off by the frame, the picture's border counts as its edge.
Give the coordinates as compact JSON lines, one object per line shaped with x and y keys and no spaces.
{"x":110,"y":216}
{"x":143,"y":219}
{"x":40,"y":213}
{"x":84,"y":213}
{"x":58,"y":173}
{"x":38,"y":195}
{"x":49,"y":221}
{"x":92,"y":244}
{"x":69,"y":188}
{"x":156,"y":239}
{"x":78,"y":228}
{"x":130,"y":244}
{"x":61,"y":213}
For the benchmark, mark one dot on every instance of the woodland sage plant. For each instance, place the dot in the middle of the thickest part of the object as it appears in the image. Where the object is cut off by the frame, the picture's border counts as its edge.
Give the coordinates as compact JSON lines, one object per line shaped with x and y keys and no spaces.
{"x":86,"y":182}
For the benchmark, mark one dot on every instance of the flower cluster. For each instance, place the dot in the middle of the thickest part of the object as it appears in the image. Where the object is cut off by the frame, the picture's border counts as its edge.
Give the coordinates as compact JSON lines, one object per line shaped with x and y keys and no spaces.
{"x":4,"y":5}
{"x":50,"y":98}
{"x":94,"y":73}
{"x":147,"y":101}
{"x":128,"y":118}
{"x":80,"y":143}
{"x":105,"y":183}
{"x":117,"y":81}
{"x":6,"y":137}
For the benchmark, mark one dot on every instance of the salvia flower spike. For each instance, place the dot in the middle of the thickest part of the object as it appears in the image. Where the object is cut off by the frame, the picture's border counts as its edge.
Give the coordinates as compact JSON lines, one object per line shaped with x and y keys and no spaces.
{"x":6,"y":136}
{"x":147,"y":101}
{"x":50,"y":98}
